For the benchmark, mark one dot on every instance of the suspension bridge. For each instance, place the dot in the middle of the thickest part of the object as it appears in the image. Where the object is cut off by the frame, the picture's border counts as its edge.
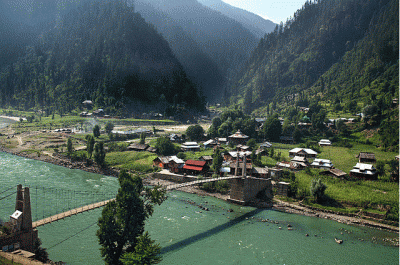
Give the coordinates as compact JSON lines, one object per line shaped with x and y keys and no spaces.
{"x":44,"y":205}
{"x":52,"y":204}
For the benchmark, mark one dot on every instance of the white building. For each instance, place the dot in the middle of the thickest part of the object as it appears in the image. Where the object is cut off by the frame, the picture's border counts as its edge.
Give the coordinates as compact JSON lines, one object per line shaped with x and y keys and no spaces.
{"x":361,"y":170}
{"x":190,"y":146}
{"x":324,"y":142}
{"x":304,"y":152}
{"x":322,"y":163}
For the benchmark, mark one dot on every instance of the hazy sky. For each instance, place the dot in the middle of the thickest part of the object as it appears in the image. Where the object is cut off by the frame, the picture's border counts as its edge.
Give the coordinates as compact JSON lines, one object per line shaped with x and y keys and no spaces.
{"x":274,"y":10}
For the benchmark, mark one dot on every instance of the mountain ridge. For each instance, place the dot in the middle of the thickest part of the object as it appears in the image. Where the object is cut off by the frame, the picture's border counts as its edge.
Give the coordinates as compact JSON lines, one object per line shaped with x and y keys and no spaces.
{"x":253,"y":22}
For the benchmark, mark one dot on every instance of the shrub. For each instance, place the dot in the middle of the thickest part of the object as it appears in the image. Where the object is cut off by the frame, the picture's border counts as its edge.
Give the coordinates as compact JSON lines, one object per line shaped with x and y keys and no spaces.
{"x":181,"y":155}
{"x":317,"y":189}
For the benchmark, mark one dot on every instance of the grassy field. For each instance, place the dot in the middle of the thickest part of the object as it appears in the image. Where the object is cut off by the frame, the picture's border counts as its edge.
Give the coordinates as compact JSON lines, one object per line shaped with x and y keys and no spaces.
{"x":343,"y":195}
{"x":134,"y":161}
{"x":356,"y":193}
{"x":342,"y":158}
{"x":197,"y":155}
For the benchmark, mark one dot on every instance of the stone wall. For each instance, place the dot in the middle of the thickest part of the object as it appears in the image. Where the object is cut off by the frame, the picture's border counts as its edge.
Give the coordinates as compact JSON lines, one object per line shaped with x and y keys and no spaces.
{"x":25,"y":239}
{"x":282,"y":188}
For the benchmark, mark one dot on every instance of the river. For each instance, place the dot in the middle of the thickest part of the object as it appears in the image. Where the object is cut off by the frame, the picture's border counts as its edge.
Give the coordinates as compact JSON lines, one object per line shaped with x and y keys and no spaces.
{"x":188,"y":234}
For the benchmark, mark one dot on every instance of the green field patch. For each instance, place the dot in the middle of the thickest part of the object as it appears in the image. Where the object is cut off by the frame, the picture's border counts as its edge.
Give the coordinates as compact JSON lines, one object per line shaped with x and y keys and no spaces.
{"x":363,"y":194}
{"x":133,"y":161}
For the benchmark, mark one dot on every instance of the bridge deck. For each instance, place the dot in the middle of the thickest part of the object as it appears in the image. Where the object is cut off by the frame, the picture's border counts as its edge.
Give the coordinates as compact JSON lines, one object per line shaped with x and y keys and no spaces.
{"x":63,"y":215}
{"x":177,"y":186}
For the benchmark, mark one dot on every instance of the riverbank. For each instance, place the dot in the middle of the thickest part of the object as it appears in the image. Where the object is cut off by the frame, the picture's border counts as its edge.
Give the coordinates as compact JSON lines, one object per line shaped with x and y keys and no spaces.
{"x":30,"y":144}
{"x":279,"y":205}
{"x":11,"y":118}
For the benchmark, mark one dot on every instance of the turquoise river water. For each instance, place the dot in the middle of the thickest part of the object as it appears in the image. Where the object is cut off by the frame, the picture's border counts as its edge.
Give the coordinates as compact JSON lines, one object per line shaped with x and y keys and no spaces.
{"x":187,"y":234}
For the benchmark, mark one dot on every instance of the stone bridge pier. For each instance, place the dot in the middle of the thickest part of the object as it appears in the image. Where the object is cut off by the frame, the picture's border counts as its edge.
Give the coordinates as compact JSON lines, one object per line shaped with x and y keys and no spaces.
{"x":246,"y":188}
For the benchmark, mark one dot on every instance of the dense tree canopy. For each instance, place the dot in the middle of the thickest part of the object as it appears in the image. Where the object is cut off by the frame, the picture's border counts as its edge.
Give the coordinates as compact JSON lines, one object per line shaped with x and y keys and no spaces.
{"x":231,"y":121}
{"x":121,"y":225}
{"x":165,"y":146}
{"x":273,"y":128}
{"x":195,"y":132}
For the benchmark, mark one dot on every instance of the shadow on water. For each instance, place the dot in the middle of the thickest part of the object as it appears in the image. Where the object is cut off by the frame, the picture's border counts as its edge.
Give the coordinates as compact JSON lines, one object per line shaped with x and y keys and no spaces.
{"x":210,"y":232}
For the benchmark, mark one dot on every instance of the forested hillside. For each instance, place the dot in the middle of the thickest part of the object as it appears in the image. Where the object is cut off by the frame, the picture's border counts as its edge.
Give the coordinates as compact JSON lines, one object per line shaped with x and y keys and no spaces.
{"x":101,"y":51}
{"x":340,"y":52}
{"x":199,"y":66}
{"x":225,"y":41}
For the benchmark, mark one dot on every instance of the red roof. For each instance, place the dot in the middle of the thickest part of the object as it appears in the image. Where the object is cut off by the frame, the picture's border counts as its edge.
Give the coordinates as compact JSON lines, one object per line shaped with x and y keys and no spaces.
{"x":195,"y":163}
{"x":193,"y":168}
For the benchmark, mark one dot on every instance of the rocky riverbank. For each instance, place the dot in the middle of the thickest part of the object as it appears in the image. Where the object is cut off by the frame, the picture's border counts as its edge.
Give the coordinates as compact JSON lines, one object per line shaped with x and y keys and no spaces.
{"x":284,"y":206}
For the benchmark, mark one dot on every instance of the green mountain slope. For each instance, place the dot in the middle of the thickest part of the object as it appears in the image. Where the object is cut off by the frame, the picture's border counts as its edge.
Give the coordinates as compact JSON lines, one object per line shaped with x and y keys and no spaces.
{"x":331,"y":48}
{"x":101,"y":51}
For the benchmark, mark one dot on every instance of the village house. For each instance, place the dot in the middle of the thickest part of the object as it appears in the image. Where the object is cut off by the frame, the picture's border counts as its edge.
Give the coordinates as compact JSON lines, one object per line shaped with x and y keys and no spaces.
{"x":260,"y":172}
{"x":293,"y":166}
{"x":365,"y":157}
{"x":190,"y":146}
{"x":305,"y":152}
{"x":364,"y":171}
{"x":259,"y":151}
{"x":175,"y":138}
{"x":98,"y":113}
{"x":222,"y":140}
{"x":265,"y":145}
{"x":334,"y":172}
{"x":243,"y":148}
{"x":137,"y":147}
{"x":322,"y":163}
{"x":301,"y":161}
{"x":164,"y":162}
{"x":176,"y":165}
{"x":85,"y":114}
{"x":233,"y":155}
{"x":195,"y":167}
{"x":161,"y":162}
{"x":324,"y":142}
{"x":210,"y":143}
{"x":208,"y":159}
{"x":238,"y":138}
{"x":88,"y":104}
{"x":304,"y":109}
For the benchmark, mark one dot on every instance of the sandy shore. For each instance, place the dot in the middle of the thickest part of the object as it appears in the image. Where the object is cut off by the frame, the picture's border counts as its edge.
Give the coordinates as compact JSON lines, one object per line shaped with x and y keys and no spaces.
{"x":11,"y":118}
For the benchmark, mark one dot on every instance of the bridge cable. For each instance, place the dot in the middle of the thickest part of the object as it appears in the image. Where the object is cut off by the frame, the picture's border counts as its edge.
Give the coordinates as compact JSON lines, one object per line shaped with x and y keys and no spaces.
{"x":7,"y":190}
{"x":7,"y":196}
{"x":73,"y":235}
